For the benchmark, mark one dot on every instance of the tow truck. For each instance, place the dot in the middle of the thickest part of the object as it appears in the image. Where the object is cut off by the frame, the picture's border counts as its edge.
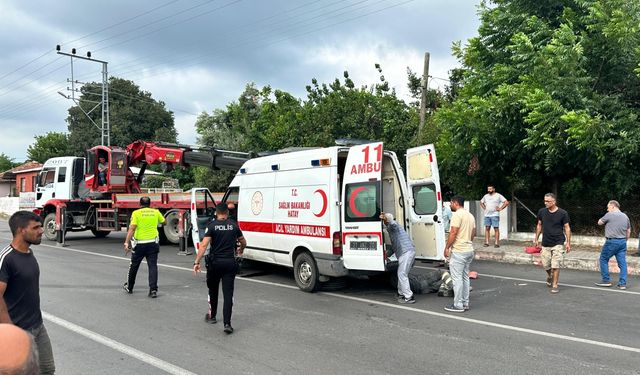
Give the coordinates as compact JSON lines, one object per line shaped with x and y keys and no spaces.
{"x":72,"y":196}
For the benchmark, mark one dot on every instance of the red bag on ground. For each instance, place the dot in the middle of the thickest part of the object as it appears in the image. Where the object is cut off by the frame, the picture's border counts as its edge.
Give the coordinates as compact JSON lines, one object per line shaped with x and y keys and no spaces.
{"x":532,"y":250}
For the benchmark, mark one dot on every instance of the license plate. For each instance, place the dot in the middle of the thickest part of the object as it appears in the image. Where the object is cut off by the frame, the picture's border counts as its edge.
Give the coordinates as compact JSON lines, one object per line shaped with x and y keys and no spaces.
{"x":363,"y":245}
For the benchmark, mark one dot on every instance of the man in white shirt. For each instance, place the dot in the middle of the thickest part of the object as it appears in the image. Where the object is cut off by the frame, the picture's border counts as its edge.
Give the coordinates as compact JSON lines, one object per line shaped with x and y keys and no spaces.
{"x":492,"y":203}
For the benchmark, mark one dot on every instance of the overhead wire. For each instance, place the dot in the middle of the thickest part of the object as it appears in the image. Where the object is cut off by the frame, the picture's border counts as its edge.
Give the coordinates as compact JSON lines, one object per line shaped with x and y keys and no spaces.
{"x":283,"y":39}
{"x":251,"y":38}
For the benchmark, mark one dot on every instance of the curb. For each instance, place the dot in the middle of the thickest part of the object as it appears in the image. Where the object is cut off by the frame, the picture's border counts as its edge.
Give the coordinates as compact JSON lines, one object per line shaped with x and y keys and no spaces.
{"x":582,"y":264}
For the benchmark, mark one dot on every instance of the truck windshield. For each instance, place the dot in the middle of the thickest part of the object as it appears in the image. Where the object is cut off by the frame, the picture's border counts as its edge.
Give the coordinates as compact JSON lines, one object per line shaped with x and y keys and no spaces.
{"x":46,"y":177}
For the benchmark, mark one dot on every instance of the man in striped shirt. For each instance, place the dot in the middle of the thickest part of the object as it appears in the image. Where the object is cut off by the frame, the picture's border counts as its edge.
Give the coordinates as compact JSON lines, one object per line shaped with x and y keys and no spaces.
{"x":20,"y":284}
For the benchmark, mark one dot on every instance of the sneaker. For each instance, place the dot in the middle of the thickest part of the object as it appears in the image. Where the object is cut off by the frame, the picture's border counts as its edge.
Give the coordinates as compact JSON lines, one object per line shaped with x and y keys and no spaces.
{"x":465,"y":307}
{"x":153,"y":293}
{"x":407,"y":300}
{"x":228,"y":329}
{"x":622,"y":287}
{"x":452,"y":308}
{"x":125,"y":286}
{"x":604,"y":284}
{"x":210,"y":320}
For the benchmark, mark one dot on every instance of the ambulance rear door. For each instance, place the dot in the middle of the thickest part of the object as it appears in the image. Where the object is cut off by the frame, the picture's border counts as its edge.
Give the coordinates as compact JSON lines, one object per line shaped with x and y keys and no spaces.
{"x":425,"y":203}
{"x":362,"y":244}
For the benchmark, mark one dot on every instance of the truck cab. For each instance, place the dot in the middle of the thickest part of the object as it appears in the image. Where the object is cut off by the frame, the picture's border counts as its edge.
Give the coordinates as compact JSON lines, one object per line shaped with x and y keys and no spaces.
{"x":61,"y":179}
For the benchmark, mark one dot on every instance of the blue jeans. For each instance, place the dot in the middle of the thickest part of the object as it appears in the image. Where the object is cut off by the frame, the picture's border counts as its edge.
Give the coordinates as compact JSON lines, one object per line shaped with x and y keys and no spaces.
{"x":617,"y":248}
{"x":459,"y":270}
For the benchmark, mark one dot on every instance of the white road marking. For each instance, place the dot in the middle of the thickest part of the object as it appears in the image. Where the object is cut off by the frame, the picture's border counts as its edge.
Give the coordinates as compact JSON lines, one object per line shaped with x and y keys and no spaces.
{"x":598,"y":288}
{"x":118,"y":346}
{"x":413,"y":309}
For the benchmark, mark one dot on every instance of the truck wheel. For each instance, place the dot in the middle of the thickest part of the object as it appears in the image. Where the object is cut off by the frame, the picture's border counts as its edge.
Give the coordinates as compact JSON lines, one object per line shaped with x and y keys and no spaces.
{"x":100,"y":233}
{"x":170,"y":229}
{"x":305,"y":272}
{"x":49,"y":226}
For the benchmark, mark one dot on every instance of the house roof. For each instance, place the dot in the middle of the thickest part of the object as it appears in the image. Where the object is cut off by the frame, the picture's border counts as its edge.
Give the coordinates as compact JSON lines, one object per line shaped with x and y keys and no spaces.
{"x":31,"y":166}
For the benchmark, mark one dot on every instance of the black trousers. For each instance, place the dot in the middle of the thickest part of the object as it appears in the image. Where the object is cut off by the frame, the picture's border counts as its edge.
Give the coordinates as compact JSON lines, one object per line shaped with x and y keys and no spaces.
{"x":150,"y":252}
{"x":225,"y":270}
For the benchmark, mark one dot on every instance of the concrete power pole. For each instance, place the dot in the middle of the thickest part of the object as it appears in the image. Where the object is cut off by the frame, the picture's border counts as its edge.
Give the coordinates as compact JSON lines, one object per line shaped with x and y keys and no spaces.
{"x":425,"y":85}
{"x":105,"y":128}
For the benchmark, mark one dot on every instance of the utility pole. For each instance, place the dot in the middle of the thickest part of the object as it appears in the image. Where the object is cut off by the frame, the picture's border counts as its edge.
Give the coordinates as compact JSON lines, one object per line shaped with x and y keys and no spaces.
{"x":425,"y":85}
{"x":105,"y":129}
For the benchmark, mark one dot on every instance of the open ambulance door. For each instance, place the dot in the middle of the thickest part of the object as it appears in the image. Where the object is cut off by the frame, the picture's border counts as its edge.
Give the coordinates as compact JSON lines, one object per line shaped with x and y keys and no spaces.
{"x":362,"y":243}
{"x":425,"y":203}
{"x":203,"y":210}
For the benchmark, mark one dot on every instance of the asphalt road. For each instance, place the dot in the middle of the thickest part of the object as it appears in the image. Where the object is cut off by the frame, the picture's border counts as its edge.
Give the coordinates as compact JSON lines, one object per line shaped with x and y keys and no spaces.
{"x":515,"y":326}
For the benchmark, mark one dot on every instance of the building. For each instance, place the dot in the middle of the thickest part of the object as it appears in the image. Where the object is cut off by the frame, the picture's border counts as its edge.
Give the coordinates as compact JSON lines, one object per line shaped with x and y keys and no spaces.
{"x":20,"y":179}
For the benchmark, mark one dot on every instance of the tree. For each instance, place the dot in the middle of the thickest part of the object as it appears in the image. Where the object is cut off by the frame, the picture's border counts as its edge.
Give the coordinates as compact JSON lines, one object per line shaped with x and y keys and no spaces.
{"x":269,"y":120}
{"x":548,"y":100}
{"x":134,"y":115}
{"x":48,"y":146}
{"x":6,"y":163}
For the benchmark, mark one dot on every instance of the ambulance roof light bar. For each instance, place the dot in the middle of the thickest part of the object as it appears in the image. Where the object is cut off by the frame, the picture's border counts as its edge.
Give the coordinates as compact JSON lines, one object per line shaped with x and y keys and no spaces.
{"x":352,"y":141}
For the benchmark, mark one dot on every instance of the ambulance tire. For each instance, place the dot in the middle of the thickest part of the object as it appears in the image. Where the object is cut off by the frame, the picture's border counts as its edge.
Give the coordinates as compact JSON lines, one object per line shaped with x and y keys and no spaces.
{"x":100,"y":233}
{"x":49,"y":226}
{"x":335,"y":283}
{"x":305,"y":272}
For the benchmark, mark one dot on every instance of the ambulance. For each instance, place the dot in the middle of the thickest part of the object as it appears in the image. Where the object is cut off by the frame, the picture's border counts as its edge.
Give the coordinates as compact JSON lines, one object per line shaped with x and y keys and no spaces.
{"x":317,"y":210}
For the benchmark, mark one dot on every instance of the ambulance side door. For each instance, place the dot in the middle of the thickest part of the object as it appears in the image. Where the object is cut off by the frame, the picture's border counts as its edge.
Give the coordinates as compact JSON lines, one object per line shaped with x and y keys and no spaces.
{"x":425,"y":203}
{"x":362,"y":244}
{"x":203,"y":210}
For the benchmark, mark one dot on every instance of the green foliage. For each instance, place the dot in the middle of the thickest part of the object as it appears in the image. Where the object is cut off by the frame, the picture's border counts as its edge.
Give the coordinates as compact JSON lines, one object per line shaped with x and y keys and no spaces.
{"x":6,"y":162}
{"x":547,"y":100}
{"x":48,"y":146}
{"x":270,"y":120}
{"x":153,"y":181}
{"x":134,"y":115}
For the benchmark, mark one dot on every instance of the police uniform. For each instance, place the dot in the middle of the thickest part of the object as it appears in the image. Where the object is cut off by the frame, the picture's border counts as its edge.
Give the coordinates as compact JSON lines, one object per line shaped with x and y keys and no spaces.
{"x":145,"y":245}
{"x":221,"y":264}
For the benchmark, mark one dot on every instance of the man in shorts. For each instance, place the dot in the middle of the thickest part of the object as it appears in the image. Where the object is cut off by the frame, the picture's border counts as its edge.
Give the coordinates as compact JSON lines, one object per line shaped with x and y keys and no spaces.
{"x":492,"y":203}
{"x":553,"y":223}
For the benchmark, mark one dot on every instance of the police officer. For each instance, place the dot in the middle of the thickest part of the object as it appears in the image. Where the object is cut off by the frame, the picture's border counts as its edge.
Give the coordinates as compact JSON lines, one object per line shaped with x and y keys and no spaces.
{"x":143,"y":238}
{"x":223,"y":234}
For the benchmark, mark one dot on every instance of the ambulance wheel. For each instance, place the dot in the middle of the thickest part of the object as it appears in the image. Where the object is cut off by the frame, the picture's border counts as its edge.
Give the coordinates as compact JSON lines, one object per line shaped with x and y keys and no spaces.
{"x":100,"y":233}
{"x":335,"y":283}
{"x":50,"y":226}
{"x":306,"y":273}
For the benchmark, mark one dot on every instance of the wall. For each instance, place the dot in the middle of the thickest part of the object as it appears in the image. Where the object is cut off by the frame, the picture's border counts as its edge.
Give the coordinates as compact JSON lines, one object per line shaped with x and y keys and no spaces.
{"x":29,"y":179}
{"x":9,"y":205}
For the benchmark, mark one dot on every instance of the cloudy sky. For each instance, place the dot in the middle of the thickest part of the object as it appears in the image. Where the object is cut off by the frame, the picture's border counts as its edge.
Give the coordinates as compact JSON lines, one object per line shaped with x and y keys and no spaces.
{"x":197,"y":55}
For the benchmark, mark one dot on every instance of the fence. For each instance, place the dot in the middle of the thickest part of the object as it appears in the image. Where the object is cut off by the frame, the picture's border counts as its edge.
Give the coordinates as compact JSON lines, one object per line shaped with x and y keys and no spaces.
{"x":584,"y":214}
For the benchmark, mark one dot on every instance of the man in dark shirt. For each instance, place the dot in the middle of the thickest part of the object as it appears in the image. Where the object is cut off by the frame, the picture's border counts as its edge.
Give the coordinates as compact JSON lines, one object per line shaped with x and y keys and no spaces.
{"x":20,"y":284}
{"x":223,"y":234}
{"x":553,"y":223}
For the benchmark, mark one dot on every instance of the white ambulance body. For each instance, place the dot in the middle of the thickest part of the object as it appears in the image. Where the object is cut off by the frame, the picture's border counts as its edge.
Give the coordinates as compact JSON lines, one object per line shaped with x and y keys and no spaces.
{"x":317,"y":210}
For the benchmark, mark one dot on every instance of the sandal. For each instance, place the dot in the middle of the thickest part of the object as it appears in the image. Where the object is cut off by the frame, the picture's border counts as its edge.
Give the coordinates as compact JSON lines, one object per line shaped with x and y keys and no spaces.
{"x":554,"y":290}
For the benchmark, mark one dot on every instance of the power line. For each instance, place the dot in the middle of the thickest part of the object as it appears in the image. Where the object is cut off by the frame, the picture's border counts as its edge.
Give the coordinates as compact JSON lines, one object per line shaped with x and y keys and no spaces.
{"x":27,"y":64}
{"x":251,"y":39}
{"x":148,"y":24}
{"x":122,"y":22}
{"x":83,"y":37}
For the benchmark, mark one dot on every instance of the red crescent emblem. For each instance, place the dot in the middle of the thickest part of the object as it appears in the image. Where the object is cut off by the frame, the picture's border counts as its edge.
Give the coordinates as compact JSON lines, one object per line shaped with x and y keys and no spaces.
{"x":324,"y":202}
{"x":352,"y":202}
